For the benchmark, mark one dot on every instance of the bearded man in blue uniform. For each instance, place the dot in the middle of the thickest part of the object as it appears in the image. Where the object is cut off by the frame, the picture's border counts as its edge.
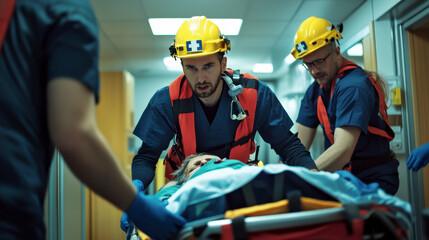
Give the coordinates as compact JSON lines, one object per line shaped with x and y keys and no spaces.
{"x":349,"y":103}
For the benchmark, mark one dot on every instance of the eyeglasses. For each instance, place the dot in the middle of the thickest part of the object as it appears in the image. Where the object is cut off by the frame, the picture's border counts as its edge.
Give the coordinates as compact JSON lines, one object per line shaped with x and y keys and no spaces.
{"x":318,"y":63}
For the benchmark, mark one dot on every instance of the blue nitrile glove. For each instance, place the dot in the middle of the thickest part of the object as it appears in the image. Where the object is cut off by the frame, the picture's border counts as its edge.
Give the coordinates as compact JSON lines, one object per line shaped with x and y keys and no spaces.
{"x":361,"y":186}
{"x":151,"y":217}
{"x":124,"y":219}
{"x":419,"y":157}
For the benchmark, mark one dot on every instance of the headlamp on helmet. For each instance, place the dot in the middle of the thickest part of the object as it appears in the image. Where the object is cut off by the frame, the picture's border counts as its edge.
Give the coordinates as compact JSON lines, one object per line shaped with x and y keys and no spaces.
{"x":314,"y":33}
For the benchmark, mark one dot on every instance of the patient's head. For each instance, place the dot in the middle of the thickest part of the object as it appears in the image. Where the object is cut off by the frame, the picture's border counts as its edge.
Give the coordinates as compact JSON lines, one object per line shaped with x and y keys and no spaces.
{"x":191,"y":165}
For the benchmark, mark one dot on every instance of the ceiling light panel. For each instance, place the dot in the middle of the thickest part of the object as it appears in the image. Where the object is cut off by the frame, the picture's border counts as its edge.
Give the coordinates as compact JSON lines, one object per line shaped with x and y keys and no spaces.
{"x":169,"y":26}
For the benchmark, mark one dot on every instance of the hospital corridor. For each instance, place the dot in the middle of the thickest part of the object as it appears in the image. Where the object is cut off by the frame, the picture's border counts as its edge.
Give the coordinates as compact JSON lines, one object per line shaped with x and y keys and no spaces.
{"x":227,"y":119}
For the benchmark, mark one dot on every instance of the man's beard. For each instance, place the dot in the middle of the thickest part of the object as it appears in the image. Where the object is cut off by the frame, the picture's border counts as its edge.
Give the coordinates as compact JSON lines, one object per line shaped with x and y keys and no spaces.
{"x":211,"y":87}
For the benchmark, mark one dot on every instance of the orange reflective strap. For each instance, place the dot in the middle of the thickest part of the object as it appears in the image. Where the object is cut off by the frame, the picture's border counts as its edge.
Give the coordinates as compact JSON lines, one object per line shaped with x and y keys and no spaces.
{"x":322,"y":114}
{"x":248,"y":99}
{"x":388,"y":133}
{"x":174,"y":89}
{"x":6,"y":10}
{"x":383,"y":106}
{"x":187,"y":127}
{"x":179,"y":89}
{"x":187,"y":122}
{"x":324,"y":120}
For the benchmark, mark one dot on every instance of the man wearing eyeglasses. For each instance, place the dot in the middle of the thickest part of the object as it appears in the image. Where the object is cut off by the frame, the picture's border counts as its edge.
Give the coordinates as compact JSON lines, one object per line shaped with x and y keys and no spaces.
{"x":349,"y":103}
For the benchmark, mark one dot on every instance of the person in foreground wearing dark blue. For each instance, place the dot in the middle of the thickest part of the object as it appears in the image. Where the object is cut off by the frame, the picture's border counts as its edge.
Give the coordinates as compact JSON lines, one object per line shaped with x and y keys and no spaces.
{"x":349,"y":103}
{"x":48,"y":92}
{"x":418,"y":158}
{"x":198,"y":108}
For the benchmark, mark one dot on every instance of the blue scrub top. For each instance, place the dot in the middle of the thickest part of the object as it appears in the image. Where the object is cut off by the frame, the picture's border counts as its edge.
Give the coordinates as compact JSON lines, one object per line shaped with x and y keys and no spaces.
{"x":354,"y":103}
{"x":46,"y":39}
{"x":156,"y":126}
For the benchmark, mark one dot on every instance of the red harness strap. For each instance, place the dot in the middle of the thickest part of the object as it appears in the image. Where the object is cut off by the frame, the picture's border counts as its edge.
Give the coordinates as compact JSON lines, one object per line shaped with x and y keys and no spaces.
{"x":181,"y":101}
{"x":248,"y":99}
{"x":6,"y":10}
{"x":323,"y":115}
{"x":186,"y":119}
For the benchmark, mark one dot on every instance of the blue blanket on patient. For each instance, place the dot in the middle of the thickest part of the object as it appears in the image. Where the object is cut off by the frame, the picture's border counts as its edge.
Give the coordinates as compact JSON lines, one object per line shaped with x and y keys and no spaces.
{"x":217,"y":187}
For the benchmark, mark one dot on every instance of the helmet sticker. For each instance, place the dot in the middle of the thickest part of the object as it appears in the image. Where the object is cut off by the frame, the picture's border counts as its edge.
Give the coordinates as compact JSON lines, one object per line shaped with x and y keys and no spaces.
{"x":194,"y":46}
{"x":301,"y":47}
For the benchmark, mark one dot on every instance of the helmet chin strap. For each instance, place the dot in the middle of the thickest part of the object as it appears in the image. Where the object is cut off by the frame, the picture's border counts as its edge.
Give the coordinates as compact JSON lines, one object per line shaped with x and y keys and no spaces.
{"x":233,"y":91}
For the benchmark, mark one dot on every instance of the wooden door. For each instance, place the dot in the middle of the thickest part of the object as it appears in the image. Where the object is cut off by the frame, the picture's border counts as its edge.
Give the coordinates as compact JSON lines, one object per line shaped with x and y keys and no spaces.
{"x":418,"y":40}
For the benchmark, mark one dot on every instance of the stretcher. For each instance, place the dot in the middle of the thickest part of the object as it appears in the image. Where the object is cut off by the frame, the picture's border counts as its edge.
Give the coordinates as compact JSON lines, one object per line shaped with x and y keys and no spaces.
{"x":304,"y":218}
{"x":354,"y":221}
{"x":283,"y":202}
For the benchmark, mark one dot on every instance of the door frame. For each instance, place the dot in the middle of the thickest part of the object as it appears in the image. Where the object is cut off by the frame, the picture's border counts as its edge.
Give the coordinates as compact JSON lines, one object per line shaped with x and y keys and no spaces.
{"x":403,"y":25}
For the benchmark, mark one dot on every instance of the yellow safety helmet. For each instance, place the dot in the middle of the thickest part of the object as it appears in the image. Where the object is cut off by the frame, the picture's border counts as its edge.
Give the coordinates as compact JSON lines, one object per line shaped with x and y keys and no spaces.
{"x":198,"y":37}
{"x":313,"y":34}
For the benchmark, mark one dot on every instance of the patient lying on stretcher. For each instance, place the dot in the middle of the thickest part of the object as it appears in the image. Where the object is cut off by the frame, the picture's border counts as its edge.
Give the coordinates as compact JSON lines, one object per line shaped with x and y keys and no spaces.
{"x":207,"y":185}
{"x":190,"y":166}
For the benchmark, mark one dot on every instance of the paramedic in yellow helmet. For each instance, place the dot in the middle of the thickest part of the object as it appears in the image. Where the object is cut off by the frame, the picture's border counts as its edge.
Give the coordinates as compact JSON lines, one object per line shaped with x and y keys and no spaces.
{"x":203,"y":113}
{"x":349,"y":103}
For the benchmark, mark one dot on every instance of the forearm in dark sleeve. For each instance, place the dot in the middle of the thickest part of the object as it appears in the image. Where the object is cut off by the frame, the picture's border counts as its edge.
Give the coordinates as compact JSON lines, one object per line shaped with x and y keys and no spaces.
{"x":294,"y":153}
{"x":144,"y":164}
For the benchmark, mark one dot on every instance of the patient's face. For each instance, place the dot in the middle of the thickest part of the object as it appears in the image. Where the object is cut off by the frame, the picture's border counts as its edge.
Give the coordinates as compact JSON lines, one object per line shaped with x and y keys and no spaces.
{"x":197,"y":162}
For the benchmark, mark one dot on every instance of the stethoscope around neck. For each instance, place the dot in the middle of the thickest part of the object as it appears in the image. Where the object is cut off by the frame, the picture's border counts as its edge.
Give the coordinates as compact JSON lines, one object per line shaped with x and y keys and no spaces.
{"x":233,"y":91}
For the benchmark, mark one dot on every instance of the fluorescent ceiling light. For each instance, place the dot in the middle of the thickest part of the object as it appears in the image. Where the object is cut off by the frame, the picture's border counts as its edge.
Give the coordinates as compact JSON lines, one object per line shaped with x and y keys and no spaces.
{"x":356,"y":50}
{"x":172,"y":64}
{"x":289,"y":59}
{"x":169,"y":26}
{"x":165,"y":26}
{"x":263,"y":68}
{"x":228,"y":26}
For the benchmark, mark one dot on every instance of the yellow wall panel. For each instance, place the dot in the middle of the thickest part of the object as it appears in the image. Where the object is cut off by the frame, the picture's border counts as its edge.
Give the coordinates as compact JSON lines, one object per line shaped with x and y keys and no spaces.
{"x":115,"y":120}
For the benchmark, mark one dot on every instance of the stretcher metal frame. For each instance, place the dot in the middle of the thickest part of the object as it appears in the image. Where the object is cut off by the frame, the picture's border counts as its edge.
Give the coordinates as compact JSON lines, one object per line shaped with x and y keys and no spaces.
{"x":267,"y":222}
{"x":210,"y":228}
